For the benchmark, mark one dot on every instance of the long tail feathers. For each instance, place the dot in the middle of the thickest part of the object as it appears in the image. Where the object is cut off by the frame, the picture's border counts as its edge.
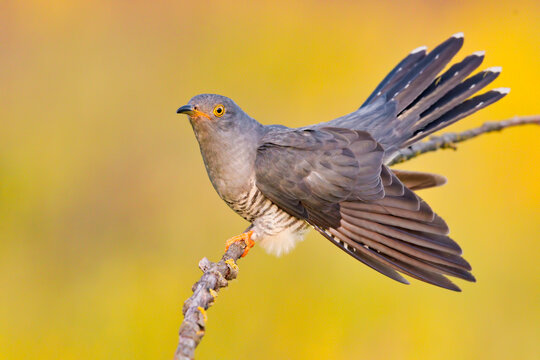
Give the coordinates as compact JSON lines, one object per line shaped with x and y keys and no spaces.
{"x":458,"y":112}
{"x":412,"y":85}
{"x":425,"y":102}
{"x":438,"y":89}
{"x":401,"y":69}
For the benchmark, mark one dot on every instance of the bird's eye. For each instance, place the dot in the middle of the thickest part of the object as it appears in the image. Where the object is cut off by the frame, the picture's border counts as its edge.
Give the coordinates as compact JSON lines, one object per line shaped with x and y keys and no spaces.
{"x":219,"y":110}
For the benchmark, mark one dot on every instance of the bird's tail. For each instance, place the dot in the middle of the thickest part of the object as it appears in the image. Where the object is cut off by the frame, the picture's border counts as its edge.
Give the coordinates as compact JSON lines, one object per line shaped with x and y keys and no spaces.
{"x":424,"y":102}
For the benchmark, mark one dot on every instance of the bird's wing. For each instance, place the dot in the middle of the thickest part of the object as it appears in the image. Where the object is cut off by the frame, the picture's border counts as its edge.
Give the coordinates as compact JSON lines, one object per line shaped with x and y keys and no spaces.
{"x":335,"y":179}
{"x":309,"y":172}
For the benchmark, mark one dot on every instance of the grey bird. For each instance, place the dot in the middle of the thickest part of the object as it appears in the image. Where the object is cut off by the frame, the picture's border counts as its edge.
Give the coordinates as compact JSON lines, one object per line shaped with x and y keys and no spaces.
{"x":333,"y":176}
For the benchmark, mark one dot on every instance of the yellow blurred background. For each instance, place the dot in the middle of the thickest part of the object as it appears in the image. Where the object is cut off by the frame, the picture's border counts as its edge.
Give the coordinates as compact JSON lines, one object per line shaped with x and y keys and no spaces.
{"x":106,"y":209}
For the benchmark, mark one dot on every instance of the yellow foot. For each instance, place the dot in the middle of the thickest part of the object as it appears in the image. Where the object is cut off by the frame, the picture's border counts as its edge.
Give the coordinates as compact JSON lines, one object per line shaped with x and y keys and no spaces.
{"x":245,"y":237}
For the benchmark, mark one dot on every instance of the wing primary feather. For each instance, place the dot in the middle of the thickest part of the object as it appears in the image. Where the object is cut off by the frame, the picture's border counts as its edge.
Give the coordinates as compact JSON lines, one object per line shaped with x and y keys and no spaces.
{"x":425,"y":214}
{"x":419,"y":273}
{"x":439,"y":228}
{"x":390,"y":246}
{"x":366,"y":256}
{"x":430,"y":241}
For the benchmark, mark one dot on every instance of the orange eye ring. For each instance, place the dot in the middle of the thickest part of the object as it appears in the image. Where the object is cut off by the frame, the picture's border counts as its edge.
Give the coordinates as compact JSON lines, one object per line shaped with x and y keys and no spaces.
{"x":219,"y":110}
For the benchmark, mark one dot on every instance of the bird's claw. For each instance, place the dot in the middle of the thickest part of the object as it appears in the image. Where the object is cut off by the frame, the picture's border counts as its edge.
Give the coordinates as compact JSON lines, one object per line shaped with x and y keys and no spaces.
{"x":245,"y":238}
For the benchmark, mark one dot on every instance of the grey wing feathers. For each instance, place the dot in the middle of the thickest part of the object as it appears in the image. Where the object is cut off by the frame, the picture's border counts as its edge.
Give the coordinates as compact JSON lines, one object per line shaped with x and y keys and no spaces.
{"x":334,"y":179}
{"x":301,"y":170}
{"x":407,"y":236}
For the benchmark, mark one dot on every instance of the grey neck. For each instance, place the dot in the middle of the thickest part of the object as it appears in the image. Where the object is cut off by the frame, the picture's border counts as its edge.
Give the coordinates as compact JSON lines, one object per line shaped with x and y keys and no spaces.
{"x":229,"y":155}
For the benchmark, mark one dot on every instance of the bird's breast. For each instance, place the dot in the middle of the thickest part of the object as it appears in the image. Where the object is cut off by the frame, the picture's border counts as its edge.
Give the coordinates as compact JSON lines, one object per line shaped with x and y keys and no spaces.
{"x":230,"y":167}
{"x":276,"y":230}
{"x":263,"y":213}
{"x":249,"y":204}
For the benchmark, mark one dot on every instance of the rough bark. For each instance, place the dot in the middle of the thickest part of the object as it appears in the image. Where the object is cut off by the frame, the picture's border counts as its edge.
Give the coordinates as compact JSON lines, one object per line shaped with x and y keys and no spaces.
{"x":215,"y":276}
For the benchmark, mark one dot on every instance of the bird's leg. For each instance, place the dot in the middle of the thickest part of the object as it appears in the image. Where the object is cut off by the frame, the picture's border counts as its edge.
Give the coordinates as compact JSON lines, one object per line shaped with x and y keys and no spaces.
{"x":245,"y":237}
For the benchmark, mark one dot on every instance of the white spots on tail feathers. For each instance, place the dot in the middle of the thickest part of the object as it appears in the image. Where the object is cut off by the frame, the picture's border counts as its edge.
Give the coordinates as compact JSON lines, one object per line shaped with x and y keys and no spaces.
{"x":479,"y":53}
{"x":458,"y":35}
{"x":494,"y":69}
{"x":419,"y":49}
{"x":283,"y":242}
{"x":503,"y":90}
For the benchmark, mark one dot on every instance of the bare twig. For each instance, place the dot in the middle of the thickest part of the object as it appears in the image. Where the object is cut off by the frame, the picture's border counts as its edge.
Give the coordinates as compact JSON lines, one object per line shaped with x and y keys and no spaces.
{"x":217,"y":275}
{"x":448,"y":140}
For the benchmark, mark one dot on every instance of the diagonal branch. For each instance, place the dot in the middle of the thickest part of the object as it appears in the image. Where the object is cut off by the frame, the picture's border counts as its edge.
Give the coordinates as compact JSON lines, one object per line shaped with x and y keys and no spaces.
{"x":217,"y":275}
{"x":448,"y":140}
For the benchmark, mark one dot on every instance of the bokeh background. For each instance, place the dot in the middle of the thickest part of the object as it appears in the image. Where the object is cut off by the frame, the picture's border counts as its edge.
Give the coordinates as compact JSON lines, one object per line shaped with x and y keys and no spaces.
{"x":106,"y":209}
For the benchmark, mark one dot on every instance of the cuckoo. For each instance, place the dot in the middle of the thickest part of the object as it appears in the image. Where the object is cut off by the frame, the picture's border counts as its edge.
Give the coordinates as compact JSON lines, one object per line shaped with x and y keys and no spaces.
{"x":333,"y":176}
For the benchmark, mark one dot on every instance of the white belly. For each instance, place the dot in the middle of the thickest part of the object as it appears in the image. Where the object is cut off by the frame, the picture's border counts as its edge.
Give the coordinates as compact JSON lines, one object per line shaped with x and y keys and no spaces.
{"x":284,"y":241}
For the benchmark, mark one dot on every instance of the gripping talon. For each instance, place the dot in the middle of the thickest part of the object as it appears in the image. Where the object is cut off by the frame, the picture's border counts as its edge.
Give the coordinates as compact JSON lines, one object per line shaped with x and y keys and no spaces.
{"x":245,"y":238}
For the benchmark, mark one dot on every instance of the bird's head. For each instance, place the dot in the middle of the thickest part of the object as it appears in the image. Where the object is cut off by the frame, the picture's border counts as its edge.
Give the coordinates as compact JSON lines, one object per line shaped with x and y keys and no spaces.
{"x":217,"y":119}
{"x":212,"y":110}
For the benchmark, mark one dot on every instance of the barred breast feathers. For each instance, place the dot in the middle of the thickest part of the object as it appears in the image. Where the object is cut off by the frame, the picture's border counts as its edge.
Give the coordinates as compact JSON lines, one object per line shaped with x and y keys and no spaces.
{"x":275,"y":230}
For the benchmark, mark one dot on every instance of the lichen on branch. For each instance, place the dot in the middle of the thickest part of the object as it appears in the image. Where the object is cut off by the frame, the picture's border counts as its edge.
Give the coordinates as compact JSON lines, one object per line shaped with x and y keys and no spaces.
{"x":215,"y":276}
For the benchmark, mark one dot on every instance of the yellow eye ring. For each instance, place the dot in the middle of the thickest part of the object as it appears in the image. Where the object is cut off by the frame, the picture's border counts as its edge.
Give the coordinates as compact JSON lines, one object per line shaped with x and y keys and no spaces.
{"x":219,"y":110}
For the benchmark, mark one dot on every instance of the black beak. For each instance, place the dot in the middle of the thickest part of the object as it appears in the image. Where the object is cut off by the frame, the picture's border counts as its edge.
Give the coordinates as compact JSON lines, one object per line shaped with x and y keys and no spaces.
{"x":186,"y":109}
